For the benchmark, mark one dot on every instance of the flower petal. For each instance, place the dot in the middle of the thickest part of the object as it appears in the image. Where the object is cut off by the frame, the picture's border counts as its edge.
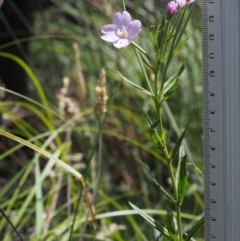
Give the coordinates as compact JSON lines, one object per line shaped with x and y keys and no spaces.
{"x":110,"y":37}
{"x":118,"y":20}
{"x":134,"y":28}
{"x":190,"y":1}
{"x":109,"y":29}
{"x":181,"y":3}
{"x":122,"y":42}
{"x":126,"y":18}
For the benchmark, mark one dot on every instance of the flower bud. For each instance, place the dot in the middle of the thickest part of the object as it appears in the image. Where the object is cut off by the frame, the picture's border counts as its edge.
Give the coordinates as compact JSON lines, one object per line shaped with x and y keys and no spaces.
{"x":172,"y":8}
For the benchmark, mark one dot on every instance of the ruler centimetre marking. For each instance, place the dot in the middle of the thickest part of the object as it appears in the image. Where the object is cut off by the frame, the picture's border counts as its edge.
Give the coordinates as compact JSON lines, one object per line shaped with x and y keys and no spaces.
{"x":212,"y":119}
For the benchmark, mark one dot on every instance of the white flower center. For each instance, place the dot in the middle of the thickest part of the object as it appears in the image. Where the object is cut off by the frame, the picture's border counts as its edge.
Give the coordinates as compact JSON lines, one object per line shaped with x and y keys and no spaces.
{"x":122,"y":33}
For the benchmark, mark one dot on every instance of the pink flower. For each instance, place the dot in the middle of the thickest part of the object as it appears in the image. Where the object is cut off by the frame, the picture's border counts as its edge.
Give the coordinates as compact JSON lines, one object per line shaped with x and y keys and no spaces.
{"x":122,"y":31}
{"x":172,"y":8}
{"x":183,"y":3}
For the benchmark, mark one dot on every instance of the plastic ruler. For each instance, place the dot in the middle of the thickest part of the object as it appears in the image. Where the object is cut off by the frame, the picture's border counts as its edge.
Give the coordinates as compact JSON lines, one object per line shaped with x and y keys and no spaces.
{"x":221,"y":107}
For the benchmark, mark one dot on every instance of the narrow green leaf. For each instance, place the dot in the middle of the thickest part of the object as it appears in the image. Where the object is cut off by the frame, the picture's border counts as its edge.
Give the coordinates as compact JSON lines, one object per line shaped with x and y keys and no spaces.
{"x":152,"y":28}
{"x":160,"y":36}
{"x":171,"y":90}
{"x":135,"y":85}
{"x":194,"y":229}
{"x":154,"y":125}
{"x":171,"y":85}
{"x":159,"y":185}
{"x":154,"y":134}
{"x":172,"y":225}
{"x":149,"y":219}
{"x":196,"y":169}
{"x":182,"y":184}
{"x":181,"y":156}
{"x":180,"y":44}
{"x":171,"y":81}
{"x":146,"y":61}
{"x":179,"y":142}
{"x":62,"y":164}
{"x":32,"y":77}
{"x":140,"y":49}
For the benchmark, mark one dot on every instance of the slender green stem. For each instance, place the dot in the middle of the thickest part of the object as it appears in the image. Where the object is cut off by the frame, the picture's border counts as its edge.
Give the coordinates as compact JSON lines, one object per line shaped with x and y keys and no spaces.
{"x":179,"y":221}
{"x":169,"y":161}
{"x":178,"y":206}
{"x":124,"y":6}
{"x":143,"y":69}
{"x":139,"y":48}
{"x":172,"y":179}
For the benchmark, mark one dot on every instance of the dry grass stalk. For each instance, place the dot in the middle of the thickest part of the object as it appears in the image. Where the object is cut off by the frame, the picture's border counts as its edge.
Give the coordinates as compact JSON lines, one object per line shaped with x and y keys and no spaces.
{"x":66,"y":104}
{"x":81,"y":88}
{"x":101,"y":95}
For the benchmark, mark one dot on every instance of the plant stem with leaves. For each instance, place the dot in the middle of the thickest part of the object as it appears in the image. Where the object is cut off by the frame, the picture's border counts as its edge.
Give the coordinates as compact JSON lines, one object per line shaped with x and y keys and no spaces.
{"x":166,"y":42}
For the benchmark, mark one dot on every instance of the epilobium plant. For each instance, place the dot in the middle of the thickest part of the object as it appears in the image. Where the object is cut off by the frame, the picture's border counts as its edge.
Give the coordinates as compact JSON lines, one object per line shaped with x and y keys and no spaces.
{"x":166,"y":41}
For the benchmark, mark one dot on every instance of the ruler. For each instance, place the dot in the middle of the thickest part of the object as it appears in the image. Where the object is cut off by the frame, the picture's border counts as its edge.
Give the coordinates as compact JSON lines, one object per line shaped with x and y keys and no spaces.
{"x":221,"y":107}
